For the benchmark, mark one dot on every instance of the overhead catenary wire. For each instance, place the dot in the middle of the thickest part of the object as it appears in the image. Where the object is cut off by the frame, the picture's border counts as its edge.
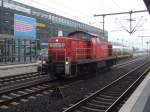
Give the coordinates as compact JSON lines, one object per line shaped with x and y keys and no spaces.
{"x":104,"y":4}
{"x":66,"y":7}
{"x":122,"y":26}
{"x":48,"y":8}
{"x":139,"y":25}
{"x":117,"y":5}
{"x":68,"y":12}
{"x":76,"y":11}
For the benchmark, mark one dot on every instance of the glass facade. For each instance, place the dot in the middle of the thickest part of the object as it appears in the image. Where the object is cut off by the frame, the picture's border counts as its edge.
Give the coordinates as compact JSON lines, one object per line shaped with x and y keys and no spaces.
{"x":48,"y":24}
{"x":14,"y":50}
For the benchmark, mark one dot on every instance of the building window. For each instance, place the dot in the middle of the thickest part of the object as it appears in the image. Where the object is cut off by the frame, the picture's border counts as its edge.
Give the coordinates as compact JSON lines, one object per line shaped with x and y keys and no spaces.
{"x":54,"y":19}
{"x":17,"y":7}
{"x":50,"y":17}
{"x":63,"y":21}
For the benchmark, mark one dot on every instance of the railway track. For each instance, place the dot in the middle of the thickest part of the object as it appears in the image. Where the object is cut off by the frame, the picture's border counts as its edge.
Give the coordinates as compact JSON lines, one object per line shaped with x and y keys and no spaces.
{"x":25,"y":92}
{"x":6,"y":81}
{"x":31,"y":86}
{"x":130,"y":61}
{"x":9,"y":80}
{"x":112,"y":96}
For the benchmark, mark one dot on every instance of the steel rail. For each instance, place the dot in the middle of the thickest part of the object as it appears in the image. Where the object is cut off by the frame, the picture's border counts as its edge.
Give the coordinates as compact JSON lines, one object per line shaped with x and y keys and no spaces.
{"x":76,"y":107}
{"x":22,"y":78}
{"x":32,"y":92}
{"x":129,"y":90}
{"x":128,"y":62}
{"x":19,"y":76}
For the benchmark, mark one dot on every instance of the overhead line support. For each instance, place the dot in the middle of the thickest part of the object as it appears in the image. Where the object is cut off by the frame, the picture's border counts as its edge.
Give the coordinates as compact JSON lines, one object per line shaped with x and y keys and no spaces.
{"x":119,"y":13}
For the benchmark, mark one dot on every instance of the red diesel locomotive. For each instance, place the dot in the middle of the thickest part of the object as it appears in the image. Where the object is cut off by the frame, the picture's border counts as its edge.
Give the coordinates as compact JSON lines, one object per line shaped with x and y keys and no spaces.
{"x":77,"y":53}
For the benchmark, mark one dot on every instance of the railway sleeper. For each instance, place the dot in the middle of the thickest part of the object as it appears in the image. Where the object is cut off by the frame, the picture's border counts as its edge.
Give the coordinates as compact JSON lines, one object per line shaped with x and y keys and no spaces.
{"x":100,"y":102}
{"x":116,"y":91}
{"x":14,"y":94}
{"x":115,"y":94}
{"x":22,"y":92}
{"x":35,"y":88}
{"x":107,"y":96}
{"x":88,"y":109}
{"x":78,"y":111}
{"x":107,"y":99}
{"x":96,"y":106}
{"x":6,"y":97}
{"x":24,"y":100}
{"x":104,"y":99}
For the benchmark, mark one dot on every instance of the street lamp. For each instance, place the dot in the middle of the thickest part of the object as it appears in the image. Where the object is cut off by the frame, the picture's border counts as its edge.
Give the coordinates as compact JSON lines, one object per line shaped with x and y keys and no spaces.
{"x":147,"y":47}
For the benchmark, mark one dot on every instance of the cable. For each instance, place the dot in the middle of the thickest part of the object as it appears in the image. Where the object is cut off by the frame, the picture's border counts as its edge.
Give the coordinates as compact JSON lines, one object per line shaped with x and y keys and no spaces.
{"x":60,"y":11}
{"x":117,"y":5}
{"x":66,"y":7}
{"x":70,"y":13}
{"x":139,"y":25}
{"x":104,"y":4}
{"x":122,"y":25}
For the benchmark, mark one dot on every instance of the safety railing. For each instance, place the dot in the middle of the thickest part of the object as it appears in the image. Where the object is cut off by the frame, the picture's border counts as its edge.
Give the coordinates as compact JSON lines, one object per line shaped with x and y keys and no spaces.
{"x":14,"y":51}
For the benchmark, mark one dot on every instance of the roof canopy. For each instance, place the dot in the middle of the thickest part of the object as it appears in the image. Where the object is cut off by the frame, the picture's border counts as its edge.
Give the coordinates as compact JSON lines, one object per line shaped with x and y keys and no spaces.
{"x":147,"y":3}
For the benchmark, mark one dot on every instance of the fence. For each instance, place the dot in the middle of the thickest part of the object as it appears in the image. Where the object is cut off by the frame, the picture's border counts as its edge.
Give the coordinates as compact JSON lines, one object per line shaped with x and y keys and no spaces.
{"x":17,"y":50}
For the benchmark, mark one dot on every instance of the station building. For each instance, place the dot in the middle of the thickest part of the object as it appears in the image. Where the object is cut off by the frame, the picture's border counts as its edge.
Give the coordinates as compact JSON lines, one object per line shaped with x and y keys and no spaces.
{"x":47,"y":25}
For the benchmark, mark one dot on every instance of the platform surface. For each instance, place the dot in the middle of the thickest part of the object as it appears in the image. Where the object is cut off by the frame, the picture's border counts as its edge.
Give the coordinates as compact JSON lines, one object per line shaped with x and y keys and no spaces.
{"x":139,"y":101}
{"x":16,"y":66}
{"x":10,"y":70}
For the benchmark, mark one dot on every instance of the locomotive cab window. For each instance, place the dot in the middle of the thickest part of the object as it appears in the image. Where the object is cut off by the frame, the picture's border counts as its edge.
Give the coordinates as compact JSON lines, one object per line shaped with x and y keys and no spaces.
{"x":60,"y":45}
{"x":85,"y":36}
{"x":73,"y":36}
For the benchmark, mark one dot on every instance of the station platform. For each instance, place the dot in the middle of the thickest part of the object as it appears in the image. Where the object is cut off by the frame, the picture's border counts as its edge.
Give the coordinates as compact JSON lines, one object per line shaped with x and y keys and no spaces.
{"x":18,"y":69}
{"x":4,"y":67}
{"x":139,"y":101}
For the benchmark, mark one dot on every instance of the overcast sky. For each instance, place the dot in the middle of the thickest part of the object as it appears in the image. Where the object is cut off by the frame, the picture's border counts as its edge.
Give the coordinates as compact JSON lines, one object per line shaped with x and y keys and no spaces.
{"x":83,"y":11}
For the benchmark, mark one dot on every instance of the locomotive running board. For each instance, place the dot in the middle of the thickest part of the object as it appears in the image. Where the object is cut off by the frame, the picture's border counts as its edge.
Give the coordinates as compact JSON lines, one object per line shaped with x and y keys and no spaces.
{"x":83,"y":61}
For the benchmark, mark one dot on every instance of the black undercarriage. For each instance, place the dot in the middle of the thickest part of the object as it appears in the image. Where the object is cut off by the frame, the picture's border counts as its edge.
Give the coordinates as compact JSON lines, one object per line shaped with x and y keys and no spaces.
{"x":58,"y":69}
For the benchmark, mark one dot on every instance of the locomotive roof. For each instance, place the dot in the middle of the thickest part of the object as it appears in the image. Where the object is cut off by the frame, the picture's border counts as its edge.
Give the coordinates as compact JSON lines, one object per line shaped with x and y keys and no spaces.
{"x":88,"y":33}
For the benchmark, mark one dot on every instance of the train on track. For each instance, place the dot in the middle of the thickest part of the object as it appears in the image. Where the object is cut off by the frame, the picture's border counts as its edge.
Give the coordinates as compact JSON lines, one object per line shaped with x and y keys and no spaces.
{"x":77,"y":53}
{"x":122,"y":51}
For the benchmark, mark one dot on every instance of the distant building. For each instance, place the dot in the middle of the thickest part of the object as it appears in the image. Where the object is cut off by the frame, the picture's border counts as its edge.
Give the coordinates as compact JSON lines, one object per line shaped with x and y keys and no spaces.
{"x":47,"y":24}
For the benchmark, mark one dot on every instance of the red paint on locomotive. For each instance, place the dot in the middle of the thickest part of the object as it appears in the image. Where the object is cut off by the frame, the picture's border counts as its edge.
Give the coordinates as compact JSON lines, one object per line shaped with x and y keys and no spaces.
{"x":78,"y":45}
{"x":78,"y":52}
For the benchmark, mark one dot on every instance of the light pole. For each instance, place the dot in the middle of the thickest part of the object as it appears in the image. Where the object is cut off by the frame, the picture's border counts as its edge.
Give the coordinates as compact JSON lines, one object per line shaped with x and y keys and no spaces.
{"x":117,"y":41}
{"x":126,"y":43}
{"x":2,"y":3}
{"x":147,"y":47}
{"x":142,"y":37}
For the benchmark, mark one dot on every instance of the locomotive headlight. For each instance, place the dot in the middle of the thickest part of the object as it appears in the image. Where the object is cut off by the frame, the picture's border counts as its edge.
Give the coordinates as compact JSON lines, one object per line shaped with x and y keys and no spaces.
{"x":43,"y":61}
{"x":67,"y":62}
{"x":56,"y":40}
